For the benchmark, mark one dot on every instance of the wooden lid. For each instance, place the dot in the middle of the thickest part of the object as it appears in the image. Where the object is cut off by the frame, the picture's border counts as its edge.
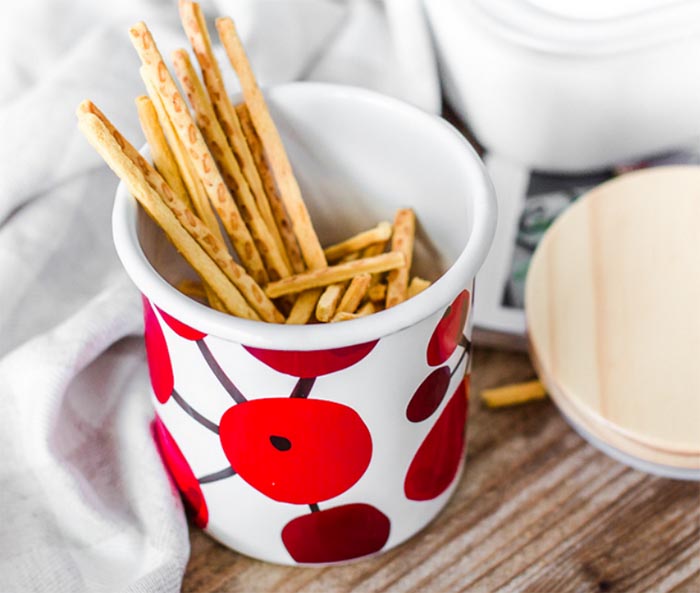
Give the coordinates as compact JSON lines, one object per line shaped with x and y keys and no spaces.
{"x":613,"y":314}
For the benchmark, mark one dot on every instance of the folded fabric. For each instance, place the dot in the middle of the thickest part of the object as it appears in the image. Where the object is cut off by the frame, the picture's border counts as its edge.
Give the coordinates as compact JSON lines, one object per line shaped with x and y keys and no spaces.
{"x":86,"y":503}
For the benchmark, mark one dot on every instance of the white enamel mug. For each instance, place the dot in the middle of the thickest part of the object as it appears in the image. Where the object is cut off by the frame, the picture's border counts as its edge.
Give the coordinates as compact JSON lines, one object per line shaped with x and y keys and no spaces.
{"x":325,"y":443}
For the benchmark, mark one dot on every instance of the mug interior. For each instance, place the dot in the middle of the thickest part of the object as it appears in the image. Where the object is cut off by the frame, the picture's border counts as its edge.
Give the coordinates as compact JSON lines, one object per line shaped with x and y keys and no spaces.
{"x":358,"y":156}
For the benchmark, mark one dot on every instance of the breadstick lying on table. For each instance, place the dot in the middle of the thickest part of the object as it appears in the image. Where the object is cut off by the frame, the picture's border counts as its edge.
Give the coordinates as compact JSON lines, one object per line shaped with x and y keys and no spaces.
{"x":197,"y":149}
{"x":213,"y":247}
{"x":110,"y":150}
{"x":401,"y":242}
{"x":338,"y":273}
{"x":510,"y":395}
{"x":194,"y":24}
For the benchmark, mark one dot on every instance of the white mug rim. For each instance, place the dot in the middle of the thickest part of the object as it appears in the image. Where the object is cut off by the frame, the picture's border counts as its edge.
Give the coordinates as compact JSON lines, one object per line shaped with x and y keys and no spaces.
{"x":478,"y":189}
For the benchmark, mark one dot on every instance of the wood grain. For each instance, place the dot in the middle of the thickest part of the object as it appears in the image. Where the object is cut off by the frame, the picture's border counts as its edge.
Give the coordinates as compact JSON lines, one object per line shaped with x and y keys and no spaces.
{"x":611,"y":306}
{"x":537,"y":510}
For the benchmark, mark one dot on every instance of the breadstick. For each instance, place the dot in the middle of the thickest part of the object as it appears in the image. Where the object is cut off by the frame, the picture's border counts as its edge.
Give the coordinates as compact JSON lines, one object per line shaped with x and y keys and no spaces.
{"x":201,"y":292}
{"x":195,"y":27}
{"x":110,"y":150}
{"x":214,"y":136}
{"x":377,"y":292}
{"x":355,"y":293}
{"x":333,"y":274}
{"x":200,"y":202}
{"x":344,"y":316}
{"x":192,"y":288}
{"x":165,"y":164}
{"x":510,"y":395}
{"x":282,"y":173}
{"x":284,"y":225}
{"x":214,"y":301}
{"x":372,"y":250}
{"x":214,"y":248}
{"x":328,"y":303}
{"x":163,"y":158}
{"x":272,"y":144}
{"x":417,"y":286}
{"x":219,"y":253}
{"x":197,"y":149}
{"x":378,"y":234}
{"x":366,"y":309}
{"x":402,"y":242}
{"x":304,"y":307}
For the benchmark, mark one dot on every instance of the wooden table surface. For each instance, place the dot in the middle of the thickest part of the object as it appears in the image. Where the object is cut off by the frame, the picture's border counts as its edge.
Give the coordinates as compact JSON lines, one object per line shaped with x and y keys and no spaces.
{"x":537,"y":509}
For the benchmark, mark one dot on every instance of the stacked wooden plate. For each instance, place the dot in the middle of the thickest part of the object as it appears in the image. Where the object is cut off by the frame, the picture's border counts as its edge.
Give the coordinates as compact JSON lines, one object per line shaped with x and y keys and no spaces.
{"x":613,"y":315}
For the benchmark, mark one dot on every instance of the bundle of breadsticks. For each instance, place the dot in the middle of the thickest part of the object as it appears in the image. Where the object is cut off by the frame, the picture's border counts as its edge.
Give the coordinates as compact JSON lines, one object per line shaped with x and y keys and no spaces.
{"x":220,"y":176}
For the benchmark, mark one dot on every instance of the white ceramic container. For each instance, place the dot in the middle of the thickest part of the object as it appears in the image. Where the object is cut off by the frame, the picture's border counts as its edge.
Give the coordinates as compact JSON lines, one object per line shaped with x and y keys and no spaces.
{"x":572,"y":86}
{"x":325,"y":443}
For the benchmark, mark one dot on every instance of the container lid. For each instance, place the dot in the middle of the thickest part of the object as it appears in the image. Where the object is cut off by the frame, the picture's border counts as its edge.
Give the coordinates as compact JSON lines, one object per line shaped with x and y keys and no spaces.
{"x":583,"y":29}
{"x":612,"y":303}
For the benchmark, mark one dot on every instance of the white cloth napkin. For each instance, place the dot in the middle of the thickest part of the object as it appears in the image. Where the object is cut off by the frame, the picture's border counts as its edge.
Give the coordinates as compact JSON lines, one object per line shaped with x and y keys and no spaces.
{"x":85,"y":502}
